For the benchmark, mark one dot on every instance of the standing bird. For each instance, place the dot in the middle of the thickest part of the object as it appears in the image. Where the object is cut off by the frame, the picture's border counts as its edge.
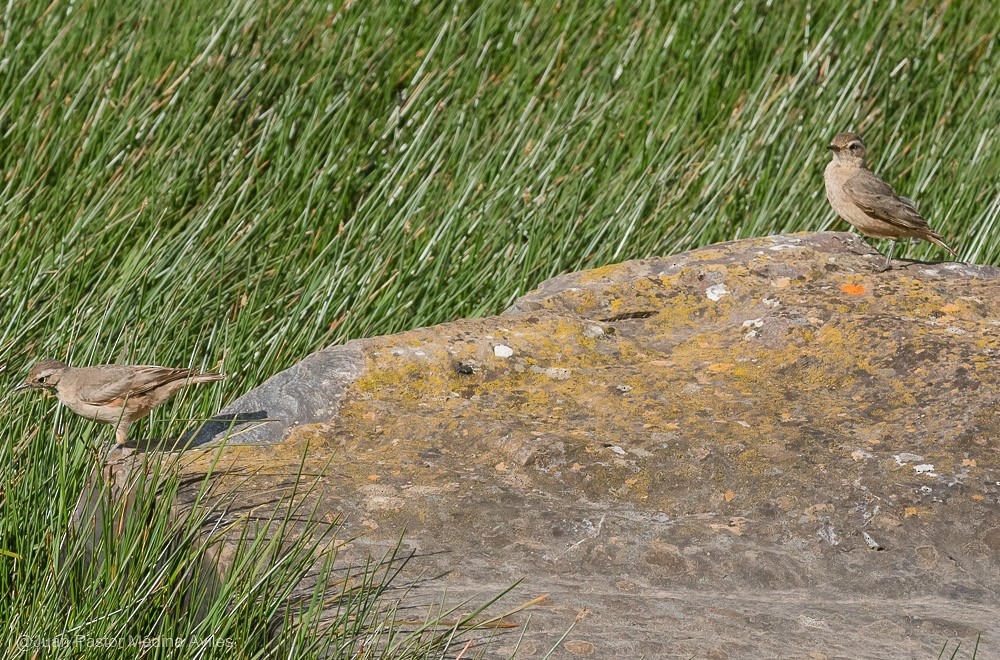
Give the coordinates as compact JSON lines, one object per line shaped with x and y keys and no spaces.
{"x":115,"y":394}
{"x":869,"y":203}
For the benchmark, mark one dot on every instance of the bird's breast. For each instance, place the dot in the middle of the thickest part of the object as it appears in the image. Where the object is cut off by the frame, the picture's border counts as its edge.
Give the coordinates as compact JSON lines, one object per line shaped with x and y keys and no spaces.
{"x":106,"y":414}
{"x":834,"y":178}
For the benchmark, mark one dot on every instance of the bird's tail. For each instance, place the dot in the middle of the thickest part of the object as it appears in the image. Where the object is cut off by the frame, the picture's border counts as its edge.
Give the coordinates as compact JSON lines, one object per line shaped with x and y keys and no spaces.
{"x":936,"y":239}
{"x":206,"y":378}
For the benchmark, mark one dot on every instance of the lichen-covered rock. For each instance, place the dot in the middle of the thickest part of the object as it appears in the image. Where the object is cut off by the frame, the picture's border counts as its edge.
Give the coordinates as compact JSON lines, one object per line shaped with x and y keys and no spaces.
{"x":760,"y":448}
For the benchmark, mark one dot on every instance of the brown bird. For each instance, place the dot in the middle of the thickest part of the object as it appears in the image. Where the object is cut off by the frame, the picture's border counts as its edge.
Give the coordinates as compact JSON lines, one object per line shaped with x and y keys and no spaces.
{"x":114,"y":394}
{"x":869,"y":203}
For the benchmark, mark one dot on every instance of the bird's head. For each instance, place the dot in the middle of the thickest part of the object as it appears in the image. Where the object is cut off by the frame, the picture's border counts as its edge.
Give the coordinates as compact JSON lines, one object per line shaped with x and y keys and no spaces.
{"x":848,"y":148}
{"x":43,"y":375}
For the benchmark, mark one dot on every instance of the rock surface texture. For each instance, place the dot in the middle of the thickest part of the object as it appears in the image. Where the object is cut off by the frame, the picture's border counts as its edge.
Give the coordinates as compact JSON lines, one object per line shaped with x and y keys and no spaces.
{"x":762,"y":448}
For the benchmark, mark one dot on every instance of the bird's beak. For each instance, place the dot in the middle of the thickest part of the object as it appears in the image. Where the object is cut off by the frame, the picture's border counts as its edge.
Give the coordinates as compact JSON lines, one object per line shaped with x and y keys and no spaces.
{"x":19,"y":387}
{"x":832,"y":148}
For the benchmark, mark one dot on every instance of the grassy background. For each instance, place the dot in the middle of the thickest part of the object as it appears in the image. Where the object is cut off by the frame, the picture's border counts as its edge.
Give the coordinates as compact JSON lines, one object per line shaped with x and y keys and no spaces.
{"x":238,"y":184}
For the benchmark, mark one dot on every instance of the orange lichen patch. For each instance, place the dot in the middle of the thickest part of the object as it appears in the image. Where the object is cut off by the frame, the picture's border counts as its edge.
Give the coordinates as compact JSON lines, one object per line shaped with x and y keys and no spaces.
{"x":910,"y":512}
{"x":853,"y":289}
{"x":730,"y":496}
{"x":969,"y":462}
{"x":978,"y":498}
{"x":950,"y":308}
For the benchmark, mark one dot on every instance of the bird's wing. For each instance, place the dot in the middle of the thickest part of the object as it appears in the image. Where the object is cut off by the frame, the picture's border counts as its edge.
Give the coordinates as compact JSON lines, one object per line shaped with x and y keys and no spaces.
{"x":877,"y":198}
{"x":148,"y":378}
{"x":110,"y":383}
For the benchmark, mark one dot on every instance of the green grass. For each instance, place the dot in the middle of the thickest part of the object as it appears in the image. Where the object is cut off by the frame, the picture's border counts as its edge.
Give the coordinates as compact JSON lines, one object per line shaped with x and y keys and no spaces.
{"x":151,"y":586}
{"x":240,"y":184}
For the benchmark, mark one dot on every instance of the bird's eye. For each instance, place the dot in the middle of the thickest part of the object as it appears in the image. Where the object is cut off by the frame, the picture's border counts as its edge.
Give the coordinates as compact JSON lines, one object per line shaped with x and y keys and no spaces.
{"x":41,"y":379}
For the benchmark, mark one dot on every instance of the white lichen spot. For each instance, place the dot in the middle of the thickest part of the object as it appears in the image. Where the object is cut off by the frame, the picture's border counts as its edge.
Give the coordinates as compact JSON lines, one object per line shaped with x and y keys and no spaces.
{"x":906,"y":457}
{"x":502,"y":351}
{"x":618,"y":450}
{"x":555,"y":373}
{"x":924,"y":468}
{"x":827,"y":532}
{"x":754,"y":325}
{"x":716,"y":291}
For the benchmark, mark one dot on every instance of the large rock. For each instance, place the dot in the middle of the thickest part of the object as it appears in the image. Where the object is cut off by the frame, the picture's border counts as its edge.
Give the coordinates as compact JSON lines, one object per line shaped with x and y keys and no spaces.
{"x":761,"y":448}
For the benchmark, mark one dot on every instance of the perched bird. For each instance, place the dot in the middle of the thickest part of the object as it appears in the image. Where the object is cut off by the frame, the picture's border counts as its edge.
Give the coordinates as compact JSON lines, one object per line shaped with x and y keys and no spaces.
{"x":115,"y":394}
{"x":869,"y":203}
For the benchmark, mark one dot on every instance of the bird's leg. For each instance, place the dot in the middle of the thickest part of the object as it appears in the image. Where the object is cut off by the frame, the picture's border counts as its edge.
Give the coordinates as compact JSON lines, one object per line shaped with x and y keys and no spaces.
{"x":121,"y":433}
{"x":888,"y":257}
